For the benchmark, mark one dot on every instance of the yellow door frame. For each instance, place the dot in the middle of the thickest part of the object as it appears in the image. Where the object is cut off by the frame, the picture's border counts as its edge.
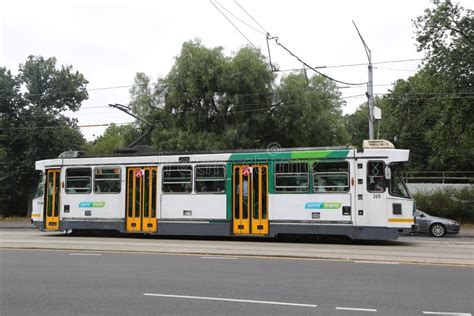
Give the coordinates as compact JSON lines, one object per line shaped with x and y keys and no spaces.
{"x":141,"y":200}
{"x":250,"y":213}
{"x":51,"y":206}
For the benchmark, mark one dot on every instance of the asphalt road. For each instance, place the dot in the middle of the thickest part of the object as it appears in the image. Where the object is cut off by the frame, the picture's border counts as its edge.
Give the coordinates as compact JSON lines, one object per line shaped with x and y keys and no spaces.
{"x":39,"y":282}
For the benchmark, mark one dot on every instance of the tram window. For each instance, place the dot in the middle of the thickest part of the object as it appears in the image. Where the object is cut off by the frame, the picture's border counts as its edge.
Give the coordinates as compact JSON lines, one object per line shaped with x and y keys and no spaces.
{"x":236,"y":195}
{"x":40,"y":189}
{"x":397,"y":185}
{"x":376,"y":181}
{"x":177,"y":179}
{"x":78,"y":180}
{"x":210,"y":179}
{"x":331,"y":177}
{"x":107,"y":180}
{"x":291,"y":177}
{"x":264,"y":193}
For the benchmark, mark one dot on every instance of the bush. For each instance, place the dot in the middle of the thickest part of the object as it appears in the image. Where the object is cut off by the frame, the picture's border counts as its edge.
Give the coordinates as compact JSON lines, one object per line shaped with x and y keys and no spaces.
{"x":457,"y":204}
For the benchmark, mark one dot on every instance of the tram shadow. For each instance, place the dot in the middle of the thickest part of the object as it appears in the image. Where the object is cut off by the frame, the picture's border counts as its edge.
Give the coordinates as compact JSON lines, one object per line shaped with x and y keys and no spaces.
{"x":281,"y":238}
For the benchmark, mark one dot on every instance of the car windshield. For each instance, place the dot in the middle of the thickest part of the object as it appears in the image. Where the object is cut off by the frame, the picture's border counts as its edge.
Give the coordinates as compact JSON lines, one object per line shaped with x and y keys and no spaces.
{"x":397,"y":185}
{"x":420,"y":213}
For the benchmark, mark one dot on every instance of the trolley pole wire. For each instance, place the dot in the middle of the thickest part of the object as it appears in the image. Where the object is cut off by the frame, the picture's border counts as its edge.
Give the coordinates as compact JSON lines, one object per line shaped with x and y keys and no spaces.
{"x":127,"y":110}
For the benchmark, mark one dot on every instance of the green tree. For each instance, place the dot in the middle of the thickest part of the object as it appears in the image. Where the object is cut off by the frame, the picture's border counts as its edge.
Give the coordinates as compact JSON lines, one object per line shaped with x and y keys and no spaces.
{"x":212,"y":101}
{"x":357,"y":125}
{"x":144,"y":97}
{"x":432,"y":112}
{"x":33,"y":126}
{"x":114,"y":137}
{"x":445,"y":34}
{"x":309,"y":112}
{"x":434,"y":124}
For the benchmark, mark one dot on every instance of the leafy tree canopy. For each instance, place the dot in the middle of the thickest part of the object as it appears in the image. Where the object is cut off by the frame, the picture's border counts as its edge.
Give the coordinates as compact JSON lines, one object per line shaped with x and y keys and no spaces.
{"x":32,"y":124}
{"x":445,"y":34}
{"x":212,"y":101}
{"x":432,"y":112}
{"x":114,"y":137}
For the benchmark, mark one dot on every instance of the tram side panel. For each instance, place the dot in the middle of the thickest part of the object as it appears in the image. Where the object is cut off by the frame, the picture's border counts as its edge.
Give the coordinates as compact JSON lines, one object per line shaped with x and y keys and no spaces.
{"x":90,"y":203}
{"x":185,"y":209}
{"x":379,"y":212}
{"x":314,"y":209}
{"x":318,"y":201}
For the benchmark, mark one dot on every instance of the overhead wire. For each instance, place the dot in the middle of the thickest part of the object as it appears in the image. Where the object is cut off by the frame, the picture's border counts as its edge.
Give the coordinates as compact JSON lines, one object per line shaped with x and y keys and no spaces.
{"x":238,"y":73}
{"x":235,"y":26}
{"x":358,"y":64}
{"x":396,"y":69}
{"x":250,"y":16}
{"x":236,"y":17}
{"x":271,"y":37}
{"x":164,"y":120}
{"x":314,"y":69}
{"x":236,"y":111}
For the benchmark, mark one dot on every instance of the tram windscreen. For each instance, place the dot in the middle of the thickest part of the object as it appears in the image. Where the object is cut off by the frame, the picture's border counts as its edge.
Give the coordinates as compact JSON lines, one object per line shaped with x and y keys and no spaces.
{"x":40,"y":188}
{"x":397,"y":185}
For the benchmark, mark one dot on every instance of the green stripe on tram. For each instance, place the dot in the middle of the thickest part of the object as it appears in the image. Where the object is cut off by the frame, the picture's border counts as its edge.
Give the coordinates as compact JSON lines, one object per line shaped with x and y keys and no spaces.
{"x":249,"y":157}
{"x":319,"y":154}
{"x":313,"y":154}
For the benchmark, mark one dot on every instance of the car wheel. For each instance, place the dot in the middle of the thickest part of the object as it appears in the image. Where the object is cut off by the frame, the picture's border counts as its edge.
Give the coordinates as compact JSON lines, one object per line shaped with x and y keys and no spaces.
{"x":437,"y":230}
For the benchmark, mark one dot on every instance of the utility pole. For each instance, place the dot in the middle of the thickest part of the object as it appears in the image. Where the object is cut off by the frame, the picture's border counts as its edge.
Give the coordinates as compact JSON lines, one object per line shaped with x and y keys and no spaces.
{"x":370,"y":86}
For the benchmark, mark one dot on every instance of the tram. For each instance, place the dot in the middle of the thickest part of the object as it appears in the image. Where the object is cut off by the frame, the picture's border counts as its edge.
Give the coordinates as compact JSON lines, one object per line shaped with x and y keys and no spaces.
{"x":357,"y":193}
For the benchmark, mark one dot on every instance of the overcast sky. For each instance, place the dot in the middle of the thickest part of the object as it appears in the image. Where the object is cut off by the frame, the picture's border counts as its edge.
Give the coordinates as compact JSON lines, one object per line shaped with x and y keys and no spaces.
{"x":110,"y":41}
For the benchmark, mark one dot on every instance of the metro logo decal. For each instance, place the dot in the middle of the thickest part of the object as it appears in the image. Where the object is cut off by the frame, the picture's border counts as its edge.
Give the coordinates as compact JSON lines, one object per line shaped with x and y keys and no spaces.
{"x":91,"y":204}
{"x":322,"y":205}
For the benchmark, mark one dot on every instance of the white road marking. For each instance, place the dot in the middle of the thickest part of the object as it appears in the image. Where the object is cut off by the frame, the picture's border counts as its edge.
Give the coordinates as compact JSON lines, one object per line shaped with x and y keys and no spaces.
{"x":230,"y":300}
{"x":446,"y":313}
{"x":377,"y":262}
{"x":219,"y":257}
{"x":356,"y":309}
{"x":85,"y":254}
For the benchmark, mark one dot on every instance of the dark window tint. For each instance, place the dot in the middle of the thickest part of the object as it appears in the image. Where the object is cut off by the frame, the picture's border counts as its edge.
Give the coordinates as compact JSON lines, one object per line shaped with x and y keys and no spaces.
{"x":40,"y":188}
{"x":331,"y":177}
{"x":255,"y":192}
{"x":177,"y":179}
{"x":291,"y":177}
{"x":107,"y":180}
{"x":236,"y":195}
{"x":245,"y":196}
{"x":49,"y":194}
{"x":130,"y":196}
{"x":264,"y":193}
{"x":210,"y":178}
{"x":397,"y":186}
{"x":376,"y":181}
{"x":57,"y":188}
{"x":153,"y":193}
{"x":78,"y":180}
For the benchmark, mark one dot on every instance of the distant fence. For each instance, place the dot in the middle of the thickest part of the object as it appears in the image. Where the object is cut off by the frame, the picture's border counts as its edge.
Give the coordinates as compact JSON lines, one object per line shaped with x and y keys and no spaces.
{"x":440,"y":177}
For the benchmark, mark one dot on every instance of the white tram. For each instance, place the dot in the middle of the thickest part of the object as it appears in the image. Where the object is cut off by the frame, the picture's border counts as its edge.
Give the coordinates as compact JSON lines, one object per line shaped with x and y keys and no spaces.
{"x":319,"y":191}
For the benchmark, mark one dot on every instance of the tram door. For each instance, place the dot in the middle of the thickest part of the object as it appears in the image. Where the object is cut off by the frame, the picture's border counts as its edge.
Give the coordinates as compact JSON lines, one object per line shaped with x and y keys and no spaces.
{"x":52,"y":190}
{"x":250,"y":199}
{"x":141,"y":199}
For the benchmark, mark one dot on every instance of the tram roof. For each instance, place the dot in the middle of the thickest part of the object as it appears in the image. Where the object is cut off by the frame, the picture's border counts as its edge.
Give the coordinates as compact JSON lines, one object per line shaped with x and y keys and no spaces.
{"x":126,"y":152}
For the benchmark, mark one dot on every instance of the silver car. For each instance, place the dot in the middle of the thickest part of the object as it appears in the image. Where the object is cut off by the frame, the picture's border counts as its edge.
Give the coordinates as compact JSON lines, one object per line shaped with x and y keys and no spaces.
{"x":435,"y":226}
